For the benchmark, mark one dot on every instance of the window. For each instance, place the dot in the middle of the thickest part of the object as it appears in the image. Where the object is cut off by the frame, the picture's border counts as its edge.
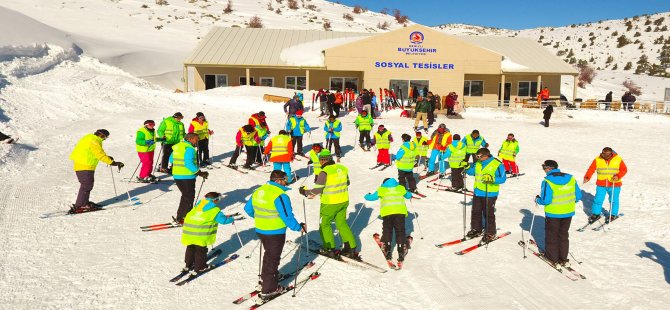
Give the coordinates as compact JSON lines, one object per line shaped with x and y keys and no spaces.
{"x":527,"y":89}
{"x":216,"y":80}
{"x":267,"y":81}
{"x":340,"y":83}
{"x":296,"y":82}
{"x":243,"y":81}
{"x":473,"y":88}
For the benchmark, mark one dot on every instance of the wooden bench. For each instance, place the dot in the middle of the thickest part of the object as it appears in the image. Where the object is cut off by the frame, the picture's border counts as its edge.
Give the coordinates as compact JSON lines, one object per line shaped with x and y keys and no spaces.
{"x":531,"y":103}
{"x":589,"y":104}
{"x":615,"y":106}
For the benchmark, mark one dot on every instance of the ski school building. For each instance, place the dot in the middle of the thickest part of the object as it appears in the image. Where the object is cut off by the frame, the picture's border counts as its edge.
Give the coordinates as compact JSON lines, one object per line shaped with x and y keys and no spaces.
{"x":474,"y":67}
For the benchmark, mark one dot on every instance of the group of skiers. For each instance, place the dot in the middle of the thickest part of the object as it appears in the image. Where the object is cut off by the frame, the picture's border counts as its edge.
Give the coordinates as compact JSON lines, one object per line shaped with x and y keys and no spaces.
{"x":272,"y":210}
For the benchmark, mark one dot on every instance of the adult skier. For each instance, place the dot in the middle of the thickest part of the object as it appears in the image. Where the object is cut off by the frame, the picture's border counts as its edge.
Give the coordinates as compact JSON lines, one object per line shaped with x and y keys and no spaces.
{"x":200,"y":126}
{"x":170,"y":132}
{"x":611,"y":169}
{"x":333,"y":186}
{"x":281,"y":150}
{"x":333,"y":128}
{"x":364,"y":123}
{"x":145,"y":144}
{"x":382,"y":140}
{"x":404,"y":160}
{"x":507,"y":152}
{"x":489,"y":174}
{"x":393,"y":212}
{"x":272,"y":212}
{"x":439,"y":142}
{"x":184,"y":171}
{"x":559,"y":194}
{"x":199,"y":232}
{"x":456,"y":155}
{"x":297,"y":126}
{"x":474,"y":142}
{"x":292,"y":106}
{"x":86,"y":155}
{"x":421,"y":113}
{"x":246,"y":137}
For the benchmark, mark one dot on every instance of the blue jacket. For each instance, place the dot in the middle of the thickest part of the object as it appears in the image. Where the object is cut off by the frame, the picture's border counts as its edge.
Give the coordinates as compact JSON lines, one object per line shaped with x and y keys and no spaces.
{"x":331,"y":135}
{"x":283,"y":205}
{"x":499,"y":177}
{"x":390,"y":183}
{"x":220,"y":218}
{"x":401,"y":153}
{"x":547,"y":194}
{"x":447,"y":153}
{"x":296,"y":131}
{"x":189,"y":159}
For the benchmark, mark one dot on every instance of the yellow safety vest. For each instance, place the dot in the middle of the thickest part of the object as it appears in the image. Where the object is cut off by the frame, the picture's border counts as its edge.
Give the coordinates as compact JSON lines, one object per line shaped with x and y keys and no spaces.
{"x":248,"y":138}
{"x":508,"y":150}
{"x":200,"y":226}
{"x":457,"y":155}
{"x":407,"y":160}
{"x":382,"y":140}
{"x":174,"y":130}
{"x":471,"y":146}
{"x":314,"y":157}
{"x":392,"y":200}
{"x":445,"y":137}
{"x":88,"y":152}
{"x":295,"y":123}
{"x":607,"y":171}
{"x":266,"y":216}
{"x":178,"y":163}
{"x":489,"y":169}
{"x":563,"y":197}
{"x":335,"y":190}
{"x":364,"y":123}
{"x":148,"y":135}
{"x":279,"y":145}
{"x":335,"y":124}
{"x":420,"y":149}
{"x":201,"y":130}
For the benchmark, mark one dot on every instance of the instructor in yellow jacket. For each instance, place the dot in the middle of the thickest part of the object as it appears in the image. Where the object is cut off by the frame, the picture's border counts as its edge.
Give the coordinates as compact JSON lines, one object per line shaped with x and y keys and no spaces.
{"x":86,"y":155}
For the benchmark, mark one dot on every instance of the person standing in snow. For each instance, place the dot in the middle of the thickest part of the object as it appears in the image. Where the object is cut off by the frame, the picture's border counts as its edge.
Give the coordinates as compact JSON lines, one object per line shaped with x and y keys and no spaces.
{"x":313,"y":156}
{"x":199,"y":232}
{"x":404,"y":160}
{"x":145,"y":144}
{"x":431,"y":110}
{"x":259,"y":121}
{"x":323,"y":102}
{"x":246,"y":137}
{"x":489,"y":173}
{"x":421,"y":113}
{"x":474,"y":142}
{"x":438,"y":144}
{"x":330,"y":104}
{"x":200,"y":126}
{"x":86,"y":155}
{"x":507,"y":152}
{"x":297,"y":126}
{"x":333,"y":128}
{"x":548,"y":110}
{"x":333,"y":186}
{"x":456,"y":155}
{"x":544,"y":94}
{"x":366,"y":100}
{"x":184,"y":171}
{"x":170,"y":132}
{"x":393,"y":212}
{"x":364,"y":123}
{"x":559,"y":194}
{"x":382,"y":139}
{"x":608,"y":100}
{"x":272,"y":212}
{"x":420,"y":146}
{"x":281,"y":150}
{"x":292,"y":106}
{"x":628,"y":100}
{"x":610,"y":169}
{"x":337,"y":104}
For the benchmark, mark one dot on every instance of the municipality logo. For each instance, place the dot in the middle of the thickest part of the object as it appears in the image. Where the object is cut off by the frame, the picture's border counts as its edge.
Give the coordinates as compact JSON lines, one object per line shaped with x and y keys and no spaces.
{"x":416,"y":37}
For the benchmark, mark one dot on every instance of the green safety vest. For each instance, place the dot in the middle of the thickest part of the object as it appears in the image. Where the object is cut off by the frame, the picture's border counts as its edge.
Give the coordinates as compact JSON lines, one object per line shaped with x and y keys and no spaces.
{"x":333,"y":125}
{"x":420,"y":149}
{"x":489,"y":169}
{"x":383,"y":140}
{"x":200,"y":226}
{"x":336,"y":189}
{"x":314,"y":157}
{"x":364,"y":123}
{"x":178,"y":153}
{"x":472,"y":146}
{"x":248,"y":138}
{"x":201,"y":130}
{"x":457,"y":155}
{"x":295,"y":123}
{"x":407,"y":160}
{"x":508,"y":150}
{"x":266,"y":216}
{"x":148,"y":135}
{"x":563,"y":198}
{"x":174,"y":130}
{"x":392,"y":200}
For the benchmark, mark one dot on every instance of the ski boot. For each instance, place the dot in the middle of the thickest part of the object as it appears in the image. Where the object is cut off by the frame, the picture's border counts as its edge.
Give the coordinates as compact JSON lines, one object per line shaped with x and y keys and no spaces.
{"x":488,"y":238}
{"x":270,"y":295}
{"x":594,"y":218}
{"x":388,"y":250}
{"x":474,"y":233}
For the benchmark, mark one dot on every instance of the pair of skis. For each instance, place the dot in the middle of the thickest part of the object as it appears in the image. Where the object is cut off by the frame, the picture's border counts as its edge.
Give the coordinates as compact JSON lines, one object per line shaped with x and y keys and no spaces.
{"x":282,"y":277}
{"x":384,"y":167}
{"x":599,"y":227}
{"x":450,"y":189}
{"x":360,"y":263}
{"x":174,"y":224}
{"x":390,"y":262}
{"x":568,"y":272}
{"x":480,"y":244}
{"x":192,"y":277}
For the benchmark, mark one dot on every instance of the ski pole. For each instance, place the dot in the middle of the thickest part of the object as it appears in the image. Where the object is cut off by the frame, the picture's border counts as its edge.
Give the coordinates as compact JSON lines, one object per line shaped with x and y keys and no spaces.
{"x":199,"y":190}
{"x":304,"y":215}
{"x":356,"y":217}
{"x":611,"y":204}
{"x":573,"y":257}
{"x":253,"y":250}
{"x":486,"y":210}
{"x":131,"y":200}
{"x":114,"y":183}
{"x":416,"y":216}
{"x":297,"y":265}
{"x":530,"y":233}
{"x":134,"y":171}
{"x":464,"y":204}
{"x":260,"y":257}
{"x":238,"y":234}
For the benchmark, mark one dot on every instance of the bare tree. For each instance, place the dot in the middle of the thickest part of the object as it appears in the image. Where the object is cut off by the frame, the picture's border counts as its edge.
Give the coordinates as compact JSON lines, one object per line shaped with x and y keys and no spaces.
{"x":292,"y":4}
{"x":586,"y":75}
{"x":347,"y":16}
{"x":401,"y":19}
{"x":255,"y":22}
{"x":358,"y":9}
{"x":383,"y":26}
{"x":161,"y":2}
{"x":326,"y":26}
{"x":632,"y":87}
{"x":229,"y":7}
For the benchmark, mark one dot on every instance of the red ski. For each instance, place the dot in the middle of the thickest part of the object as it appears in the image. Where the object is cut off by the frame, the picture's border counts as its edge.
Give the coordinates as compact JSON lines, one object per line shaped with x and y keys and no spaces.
{"x":481,"y":244}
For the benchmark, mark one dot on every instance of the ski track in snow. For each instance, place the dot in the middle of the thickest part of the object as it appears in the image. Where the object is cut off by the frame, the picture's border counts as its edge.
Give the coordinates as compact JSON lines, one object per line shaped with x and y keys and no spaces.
{"x":102,"y":260}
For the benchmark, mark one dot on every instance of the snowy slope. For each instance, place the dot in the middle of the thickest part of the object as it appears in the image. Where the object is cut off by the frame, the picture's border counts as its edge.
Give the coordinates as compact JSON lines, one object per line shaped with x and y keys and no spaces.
{"x":102,"y":260}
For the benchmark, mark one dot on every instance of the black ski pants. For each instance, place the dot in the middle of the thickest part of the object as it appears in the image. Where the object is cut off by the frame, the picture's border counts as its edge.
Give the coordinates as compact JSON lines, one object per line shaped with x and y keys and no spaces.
{"x":393,"y":224}
{"x":236,"y":154}
{"x":406,"y":179}
{"x":167,"y":151}
{"x":365,"y":136}
{"x":546,"y":122}
{"x":187,"y":189}
{"x":297,"y":144}
{"x":252,"y":155}
{"x":457,"y":178}
{"x":196,"y":257}
{"x":273,"y":246}
{"x":556,"y":238}
{"x":336,"y":109}
{"x":336,"y":143}
{"x":480,"y":206}
{"x":203,"y":150}
{"x":86,"y":180}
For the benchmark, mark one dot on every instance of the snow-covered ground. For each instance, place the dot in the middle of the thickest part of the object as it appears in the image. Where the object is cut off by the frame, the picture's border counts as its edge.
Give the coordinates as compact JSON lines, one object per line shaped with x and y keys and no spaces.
{"x":102,"y":260}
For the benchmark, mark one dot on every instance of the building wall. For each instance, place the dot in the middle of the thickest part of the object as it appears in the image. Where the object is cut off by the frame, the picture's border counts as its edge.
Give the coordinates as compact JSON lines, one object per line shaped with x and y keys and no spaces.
{"x":492,"y":82}
{"x":317,"y":78}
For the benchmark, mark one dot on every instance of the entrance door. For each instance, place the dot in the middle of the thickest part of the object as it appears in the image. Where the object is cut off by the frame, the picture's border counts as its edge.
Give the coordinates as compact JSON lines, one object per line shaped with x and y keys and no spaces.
{"x":400,"y":87}
{"x":508,"y":90}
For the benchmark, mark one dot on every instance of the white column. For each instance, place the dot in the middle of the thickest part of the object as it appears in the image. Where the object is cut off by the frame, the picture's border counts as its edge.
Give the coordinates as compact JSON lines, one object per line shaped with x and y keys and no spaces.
{"x":574,"y":88}
{"x":248,"y":77}
{"x":306,"y":80}
{"x":185,"y":79}
{"x":502,"y":91}
{"x":539,"y":85}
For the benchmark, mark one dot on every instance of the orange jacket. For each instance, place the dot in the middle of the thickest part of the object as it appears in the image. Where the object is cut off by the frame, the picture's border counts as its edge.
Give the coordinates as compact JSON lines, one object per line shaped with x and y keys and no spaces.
{"x":545,"y":94}
{"x":287,"y":158}
{"x":592,"y":169}
{"x":339,"y":98}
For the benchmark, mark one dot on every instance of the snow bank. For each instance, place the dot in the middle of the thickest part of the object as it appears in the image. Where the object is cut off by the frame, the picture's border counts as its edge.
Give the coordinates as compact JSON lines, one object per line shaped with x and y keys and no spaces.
{"x":508,"y":64}
{"x":310,"y":54}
